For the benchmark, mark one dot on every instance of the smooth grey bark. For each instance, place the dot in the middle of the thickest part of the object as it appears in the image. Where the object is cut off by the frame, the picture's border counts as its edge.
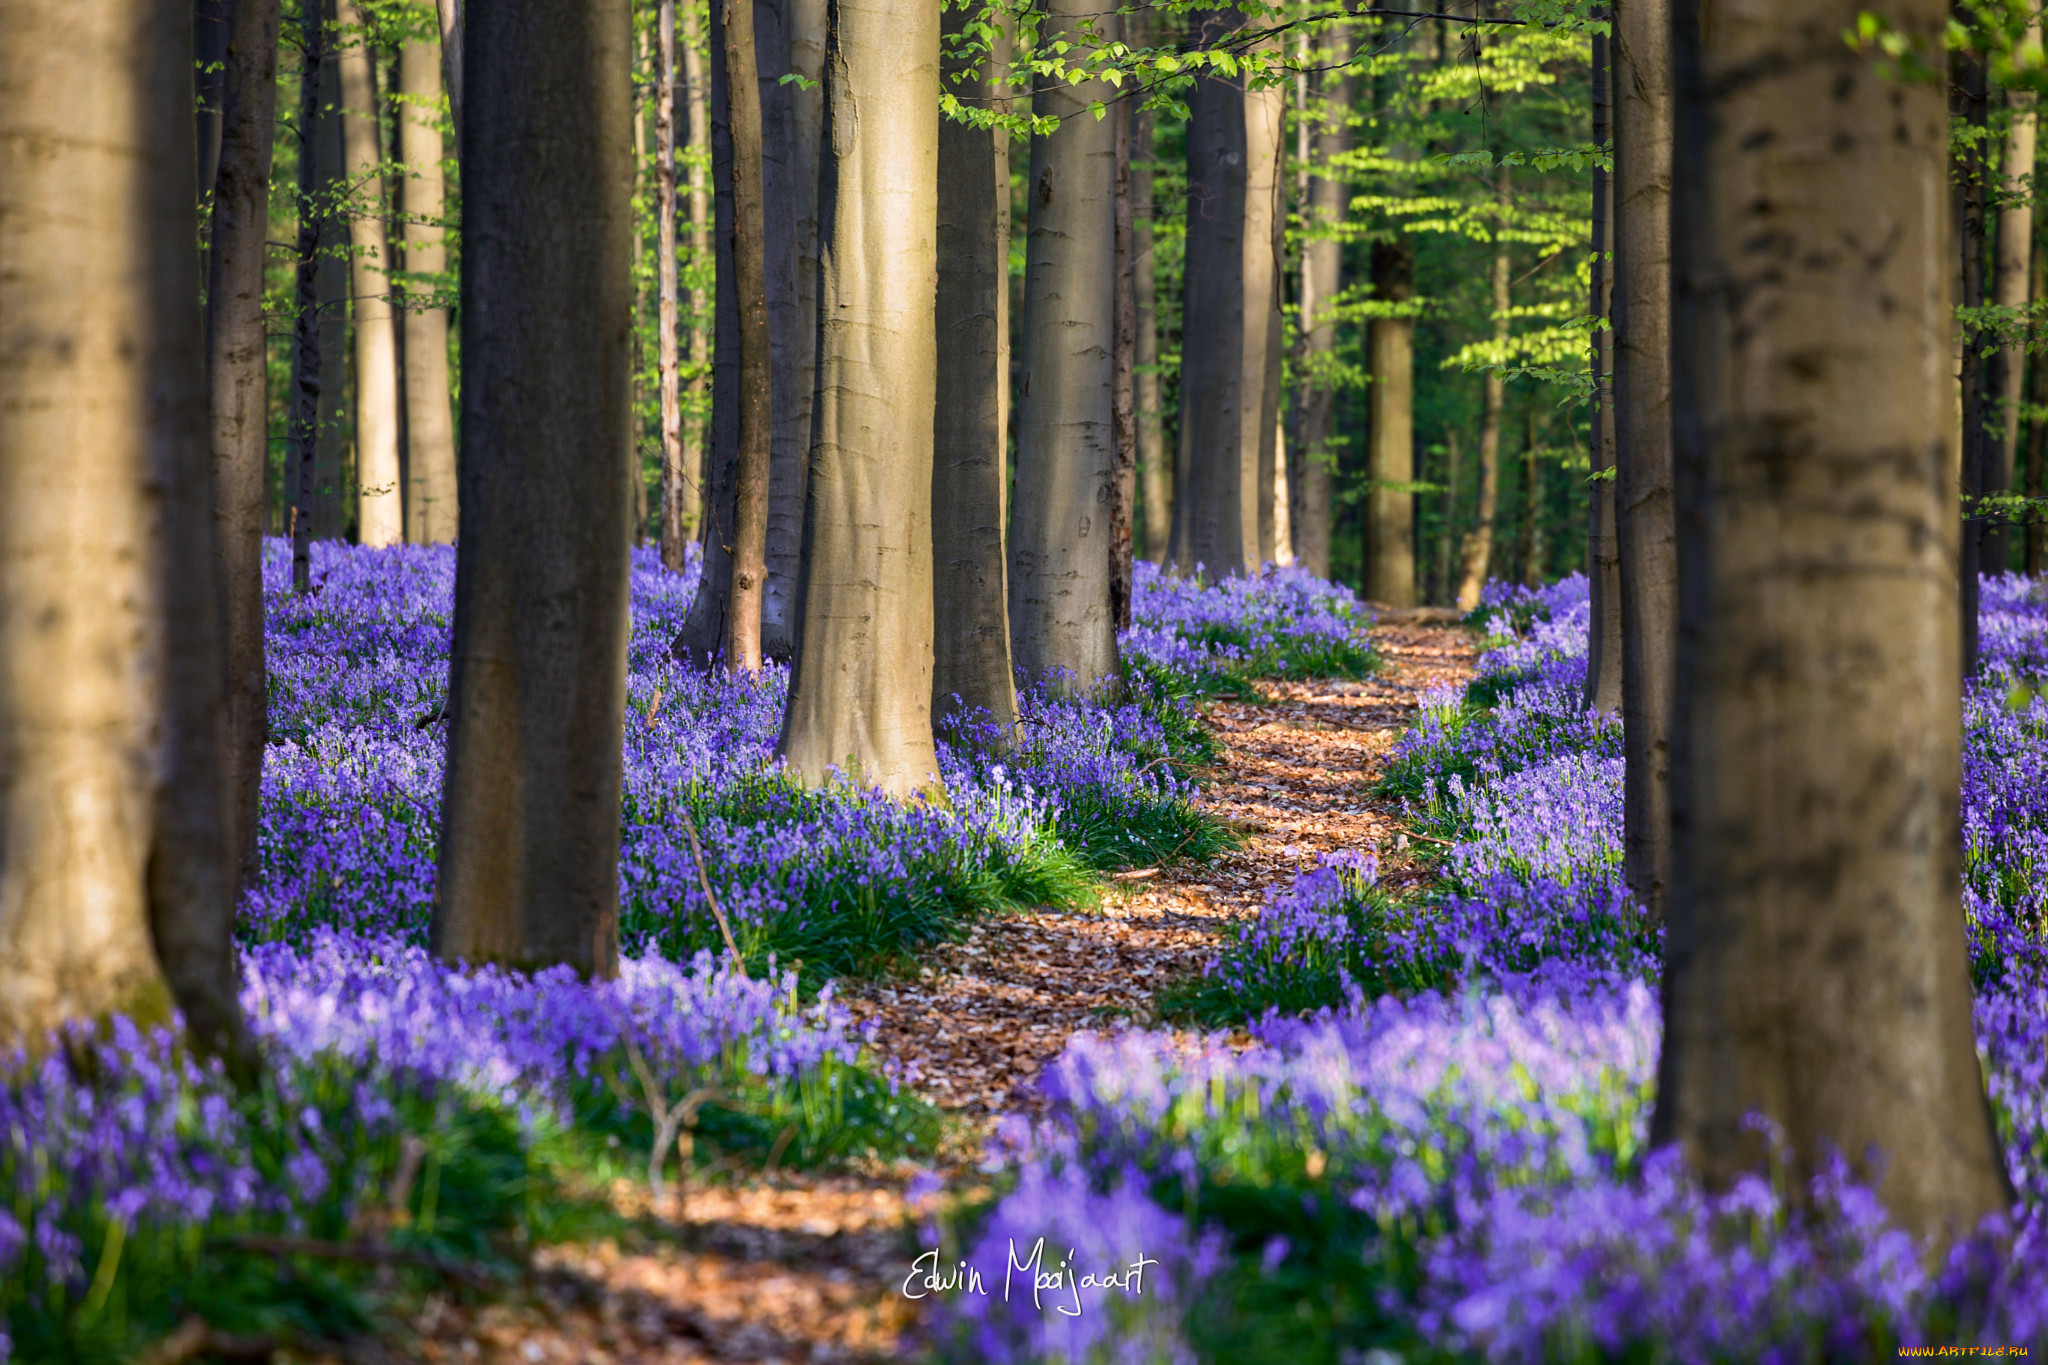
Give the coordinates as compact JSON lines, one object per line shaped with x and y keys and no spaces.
{"x":1603,"y":549}
{"x":1390,"y":437}
{"x":1122,"y":391}
{"x":697,"y":83}
{"x":860,"y":689}
{"x":449,"y":13}
{"x":115,"y":893}
{"x":307,"y":383}
{"x":378,"y":497}
{"x":1265,"y":224}
{"x":1642,"y":408}
{"x":1816,"y":972}
{"x":1215,"y":506}
{"x":238,"y":392}
{"x":2037,"y":436}
{"x":431,"y":504}
{"x":1061,"y":525}
{"x":330,"y":514}
{"x":1326,"y":205}
{"x":537,"y":685}
{"x":1155,"y":467}
{"x":970,"y":591}
{"x":2010,"y":279}
{"x":1478,"y":547}
{"x":749,"y":546}
{"x":668,"y":353}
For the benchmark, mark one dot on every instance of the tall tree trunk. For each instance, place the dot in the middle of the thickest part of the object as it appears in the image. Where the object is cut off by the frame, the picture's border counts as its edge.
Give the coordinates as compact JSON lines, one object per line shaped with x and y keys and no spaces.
{"x":237,"y":381}
{"x":1390,"y":439}
{"x":1816,"y":972}
{"x":1155,"y":470}
{"x":1479,"y":542}
{"x":2037,"y":435}
{"x":1969,"y":97}
{"x":1265,"y":229}
{"x":111,"y":800}
{"x":668,"y":355}
{"x":429,"y":417}
{"x":970,"y":592}
{"x":1447,"y":540}
{"x":703,"y":637}
{"x":537,"y":680}
{"x":211,"y":20}
{"x":1216,"y":498}
{"x":328,"y":511}
{"x":1642,"y":396}
{"x":2009,"y":290}
{"x":1325,"y":208}
{"x":860,"y":689}
{"x":1532,"y":528}
{"x":749,"y":258}
{"x":1603,"y":548}
{"x":1061,"y":527}
{"x":449,"y":13}
{"x":703,"y":305}
{"x":1123,"y":485}
{"x":379,"y":505}
{"x":315,"y":219}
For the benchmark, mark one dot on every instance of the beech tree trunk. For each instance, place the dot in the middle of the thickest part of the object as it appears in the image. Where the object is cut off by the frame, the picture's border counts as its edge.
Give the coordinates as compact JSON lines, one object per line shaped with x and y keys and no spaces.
{"x":2009,"y":290}
{"x":238,"y":385}
{"x":1816,"y":972}
{"x":1123,"y":485}
{"x":1603,"y":549}
{"x":1479,"y":541}
{"x":429,"y":416}
{"x":1155,"y":469}
{"x":668,"y":354}
{"x":970,"y":592}
{"x":1390,"y":438}
{"x":703,"y":304}
{"x":330,"y":512}
{"x":379,"y":505}
{"x":2037,"y":435}
{"x":1969,"y":105}
{"x":1216,"y":498}
{"x":537,"y":684}
{"x":1061,"y":627}
{"x":861,"y":686}
{"x":308,"y":384}
{"x":112,"y":803}
{"x":1642,"y":398}
{"x":1448,"y":539}
{"x":1325,"y":206}
{"x":449,"y":12}
{"x":1265,"y":227}
{"x":749,"y":257}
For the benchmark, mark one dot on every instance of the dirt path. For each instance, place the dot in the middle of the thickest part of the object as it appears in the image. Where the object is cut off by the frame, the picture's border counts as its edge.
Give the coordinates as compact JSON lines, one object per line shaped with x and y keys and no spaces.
{"x":804,"y":1268}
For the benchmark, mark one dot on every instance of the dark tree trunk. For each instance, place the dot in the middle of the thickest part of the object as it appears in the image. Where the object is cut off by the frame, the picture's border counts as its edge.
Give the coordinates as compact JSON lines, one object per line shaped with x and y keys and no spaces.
{"x":1603,"y":551}
{"x":329,"y":512}
{"x":2037,"y":435}
{"x":668,"y":355}
{"x":530,"y":804}
{"x":1389,"y":521}
{"x":1155,"y":467}
{"x":313,"y":221}
{"x":237,"y":383}
{"x":1970,"y":105}
{"x":1816,"y":972}
{"x":970,"y":592}
{"x":1322,"y":282}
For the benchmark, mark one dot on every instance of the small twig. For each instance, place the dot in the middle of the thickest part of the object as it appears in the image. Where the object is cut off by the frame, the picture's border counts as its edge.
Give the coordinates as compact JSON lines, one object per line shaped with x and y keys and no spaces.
{"x":1431,"y":838}
{"x":654,"y":709}
{"x":369,"y":1253}
{"x":1138,"y":874}
{"x":669,"y":1120}
{"x":697,"y":856}
{"x":781,"y":1145}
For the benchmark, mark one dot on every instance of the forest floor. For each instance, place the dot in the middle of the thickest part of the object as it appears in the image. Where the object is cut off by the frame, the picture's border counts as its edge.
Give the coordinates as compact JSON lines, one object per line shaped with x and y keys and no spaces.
{"x":793,"y":1266}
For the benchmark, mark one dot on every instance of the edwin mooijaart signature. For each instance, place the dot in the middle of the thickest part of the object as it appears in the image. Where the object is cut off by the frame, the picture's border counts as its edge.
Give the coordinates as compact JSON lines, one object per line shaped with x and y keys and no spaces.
{"x":927,"y":1277}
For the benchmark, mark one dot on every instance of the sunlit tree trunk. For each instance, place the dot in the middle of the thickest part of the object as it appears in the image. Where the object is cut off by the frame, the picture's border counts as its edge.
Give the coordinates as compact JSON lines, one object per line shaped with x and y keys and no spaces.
{"x":2037,"y":434}
{"x":1390,"y":439}
{"x":668,"y":355}
{"x":860,"y":690}
{"x":530,"y":803}
{"x":1603,"y":550}
{"x":1816,"y":972}
{"x":449,"y":12}
{"x":1123,"y":424}
{"x":1061,"y":527}
{"x":970,"y":594}
{"x":2009,"y":290}
{"x":238,"y":386}
{"x":379,"y":504}
{"x":429,"y":417}
{"x":1325,"y":208}
{"x":1216,"y":500}
{"x":1264,"y":228}
{"x":1478,"y":549}
{"x":1155,"y":468}
{"x":697,"y":83}
{"x":112,"y":801}
{"x":1642,"y":398}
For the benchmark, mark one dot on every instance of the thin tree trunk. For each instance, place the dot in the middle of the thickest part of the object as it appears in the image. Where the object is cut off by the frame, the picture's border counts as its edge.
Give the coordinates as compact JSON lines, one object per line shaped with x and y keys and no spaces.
{"x":860,"y":690}
{"x":1603,"y":549}
{"x":1123,"y":487}
{"x":1478,"y":554}
{"x":1816,"y":972}
{"x":788,"y":484}
{"x":1322,"y":283}
{"x":327,"y":510}
{"x":1390,"y":440}
{"x":1062,"y":527}
{"x":537,"y":681}
{"x":238,"y":384}
{"x":2037,"y":434}
{"x":379,"y":505}
{"x":211,"y":20}
{"x":1216,"y":499}
{"x":970,"y":592}
{"x":449,"y":12}
{"x":307,"y":380}
{"x":1265,"y":254}
{"x":1980,"y":379}
{"x":1532,"y":529}
{"x":668,"y":356}
{"x":1448,"y":538}
{"x":2009,"y":290}
{"x":107,"y":600}
{"x":1155,"y":471}
{"x":429,"y":417}
{"x":703,"y":307}
{"x":1642,"y":393}
{"x":756,"y":394}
